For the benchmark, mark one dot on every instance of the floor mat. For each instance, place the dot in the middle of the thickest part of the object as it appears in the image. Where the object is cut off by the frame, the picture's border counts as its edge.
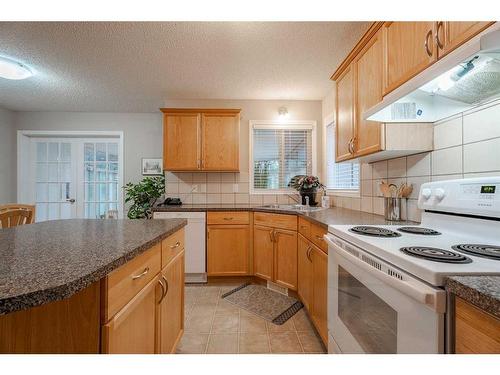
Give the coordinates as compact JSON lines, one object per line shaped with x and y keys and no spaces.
{"x":270,"y":305}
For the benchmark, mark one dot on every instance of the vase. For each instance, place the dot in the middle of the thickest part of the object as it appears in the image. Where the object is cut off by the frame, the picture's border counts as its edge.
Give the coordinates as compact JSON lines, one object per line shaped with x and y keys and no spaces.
{"x":311,"y":193}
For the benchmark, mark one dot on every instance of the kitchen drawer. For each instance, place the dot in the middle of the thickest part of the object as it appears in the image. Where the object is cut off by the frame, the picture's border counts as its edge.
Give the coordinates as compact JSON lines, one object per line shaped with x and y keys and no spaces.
{"x":317,"y":234}
{"x":305,"y":228}
{"x":171,"y":246}
{"x":275,"y":220}
{"x":125,"y":282}
{"x":228,"y":217}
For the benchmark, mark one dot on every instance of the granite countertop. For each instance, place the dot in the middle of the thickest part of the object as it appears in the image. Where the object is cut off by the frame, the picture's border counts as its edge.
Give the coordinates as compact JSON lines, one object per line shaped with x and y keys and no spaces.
{"x":329,"y":216}
{"x":52,"y":260}
{"x":482,"y":291}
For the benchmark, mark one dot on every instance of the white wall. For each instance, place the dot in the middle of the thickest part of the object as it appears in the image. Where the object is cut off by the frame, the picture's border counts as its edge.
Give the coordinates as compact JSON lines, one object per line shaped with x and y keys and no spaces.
{"x":7,"y":157}
{"x":142,"y":132}
{"x":218,"y":187}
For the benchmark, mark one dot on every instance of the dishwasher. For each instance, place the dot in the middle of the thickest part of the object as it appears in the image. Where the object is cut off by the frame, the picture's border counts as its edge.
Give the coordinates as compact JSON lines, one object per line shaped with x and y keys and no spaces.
{"x":195,"y":255}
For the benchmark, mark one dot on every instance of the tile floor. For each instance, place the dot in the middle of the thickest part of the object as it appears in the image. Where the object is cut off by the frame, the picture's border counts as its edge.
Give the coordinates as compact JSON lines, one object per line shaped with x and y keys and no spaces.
{"x":213,"y":325}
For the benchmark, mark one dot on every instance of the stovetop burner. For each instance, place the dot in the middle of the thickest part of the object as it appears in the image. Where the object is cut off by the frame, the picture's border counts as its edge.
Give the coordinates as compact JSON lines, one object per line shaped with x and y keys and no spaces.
{"x":374,"y":231}
{"x":419,"y":230}
{"x":485,"y":251}
{"x":435,"y":255}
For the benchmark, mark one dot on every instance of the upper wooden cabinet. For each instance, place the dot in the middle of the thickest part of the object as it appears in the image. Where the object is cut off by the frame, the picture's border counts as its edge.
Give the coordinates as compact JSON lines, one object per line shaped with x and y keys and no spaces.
{"x":345,"y":114}
{"x":201,"y":139}
{"x":409,"y":48}
{"x":181,"y":141}
{"x":450,"y":35}
{"x":220,"y":142}
{"x":369,"y":72}
{"x":359,"y":87}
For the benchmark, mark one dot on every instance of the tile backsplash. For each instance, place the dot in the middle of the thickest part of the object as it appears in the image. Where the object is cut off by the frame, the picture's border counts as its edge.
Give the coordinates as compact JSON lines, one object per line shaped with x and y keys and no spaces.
{"x":221,"y":188}
{"x":465,"y":146}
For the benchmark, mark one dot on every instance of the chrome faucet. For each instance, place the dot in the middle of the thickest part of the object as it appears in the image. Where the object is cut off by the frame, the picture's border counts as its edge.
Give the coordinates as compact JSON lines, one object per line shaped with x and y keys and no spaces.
{"x":307,"y":200}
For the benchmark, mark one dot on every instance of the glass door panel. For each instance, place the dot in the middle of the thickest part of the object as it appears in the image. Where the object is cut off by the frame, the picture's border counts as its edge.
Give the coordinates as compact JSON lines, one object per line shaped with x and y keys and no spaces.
{"x":100,"y":178}
{"x":54,"y":180}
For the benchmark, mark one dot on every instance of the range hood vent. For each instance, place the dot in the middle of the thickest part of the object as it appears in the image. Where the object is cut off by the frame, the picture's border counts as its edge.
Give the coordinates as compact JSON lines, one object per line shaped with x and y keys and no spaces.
{"x":460,"y":81}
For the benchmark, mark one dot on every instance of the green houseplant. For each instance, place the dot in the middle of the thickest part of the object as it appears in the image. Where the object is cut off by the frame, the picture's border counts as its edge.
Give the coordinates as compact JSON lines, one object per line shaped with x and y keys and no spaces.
{"x":143,"y":196}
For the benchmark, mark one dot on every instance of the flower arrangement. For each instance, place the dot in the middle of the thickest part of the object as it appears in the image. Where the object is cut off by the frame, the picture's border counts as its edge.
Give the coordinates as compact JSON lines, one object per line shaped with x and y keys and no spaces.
{"x":305,"y":183}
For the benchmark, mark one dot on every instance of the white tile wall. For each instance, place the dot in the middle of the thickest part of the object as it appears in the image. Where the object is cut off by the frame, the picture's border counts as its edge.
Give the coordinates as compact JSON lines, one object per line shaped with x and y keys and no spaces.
{"x":465,"y":146}
{"x":222,"y":188}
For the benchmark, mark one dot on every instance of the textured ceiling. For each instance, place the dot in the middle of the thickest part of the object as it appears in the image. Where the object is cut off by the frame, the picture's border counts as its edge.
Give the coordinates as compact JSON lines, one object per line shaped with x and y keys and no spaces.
{"x":135,"y":67}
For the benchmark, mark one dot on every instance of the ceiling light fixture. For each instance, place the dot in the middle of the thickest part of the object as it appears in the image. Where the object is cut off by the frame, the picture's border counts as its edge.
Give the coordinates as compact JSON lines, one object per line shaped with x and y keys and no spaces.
{"x":283,"y":112}
{"x":11,"y":69}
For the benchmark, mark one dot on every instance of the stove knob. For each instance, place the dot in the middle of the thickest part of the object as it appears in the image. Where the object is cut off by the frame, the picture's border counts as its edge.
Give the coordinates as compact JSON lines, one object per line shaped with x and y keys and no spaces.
{"x":426,"y":193}
{"x":439,"y":193}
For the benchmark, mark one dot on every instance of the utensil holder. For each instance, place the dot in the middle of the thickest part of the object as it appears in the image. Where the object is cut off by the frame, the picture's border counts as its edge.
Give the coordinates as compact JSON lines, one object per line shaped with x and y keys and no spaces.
{"x":392,"y":209}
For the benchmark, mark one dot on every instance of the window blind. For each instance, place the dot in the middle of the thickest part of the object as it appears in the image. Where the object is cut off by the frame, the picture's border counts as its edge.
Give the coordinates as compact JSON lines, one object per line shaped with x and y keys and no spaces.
{"x":340,"y":176}
{"x":280,"y":154}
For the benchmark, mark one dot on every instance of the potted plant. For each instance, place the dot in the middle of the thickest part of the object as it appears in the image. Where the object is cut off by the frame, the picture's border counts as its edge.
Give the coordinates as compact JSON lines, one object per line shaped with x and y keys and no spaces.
{"x":307,"y":186}
{"x":143,"y":196}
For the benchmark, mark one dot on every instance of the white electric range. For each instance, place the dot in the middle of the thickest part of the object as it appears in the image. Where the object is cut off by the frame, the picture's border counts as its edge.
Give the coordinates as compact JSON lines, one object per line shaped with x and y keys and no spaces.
{"x":385,"y":283}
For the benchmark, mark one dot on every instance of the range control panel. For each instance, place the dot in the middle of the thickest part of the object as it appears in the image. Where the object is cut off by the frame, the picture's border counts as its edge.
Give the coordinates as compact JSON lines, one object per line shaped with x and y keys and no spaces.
{"x":473,"y":196}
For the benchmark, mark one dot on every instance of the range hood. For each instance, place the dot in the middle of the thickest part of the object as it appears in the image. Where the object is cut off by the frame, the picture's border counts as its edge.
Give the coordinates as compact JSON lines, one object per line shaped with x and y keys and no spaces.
{"x":463,"y":79}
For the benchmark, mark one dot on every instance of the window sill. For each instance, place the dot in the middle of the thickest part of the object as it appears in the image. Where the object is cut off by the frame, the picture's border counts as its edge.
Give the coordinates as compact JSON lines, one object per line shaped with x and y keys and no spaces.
{"x":344,"y":193}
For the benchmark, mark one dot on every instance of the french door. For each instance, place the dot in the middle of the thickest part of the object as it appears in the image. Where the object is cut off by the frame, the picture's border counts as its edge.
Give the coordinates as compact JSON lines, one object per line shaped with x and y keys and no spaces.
{"x":73,"y":177}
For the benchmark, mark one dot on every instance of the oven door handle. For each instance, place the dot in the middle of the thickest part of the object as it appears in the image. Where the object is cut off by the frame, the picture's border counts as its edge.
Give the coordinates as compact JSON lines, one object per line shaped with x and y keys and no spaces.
{"x":408,"y":289}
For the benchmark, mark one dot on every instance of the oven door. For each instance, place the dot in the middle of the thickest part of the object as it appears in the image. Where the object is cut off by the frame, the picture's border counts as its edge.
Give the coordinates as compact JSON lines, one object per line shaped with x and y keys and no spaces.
{"x":375,"y":308}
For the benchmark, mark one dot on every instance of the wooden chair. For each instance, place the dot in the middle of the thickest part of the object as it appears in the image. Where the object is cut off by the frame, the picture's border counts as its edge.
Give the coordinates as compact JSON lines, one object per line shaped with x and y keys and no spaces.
{"x":26,"y":217}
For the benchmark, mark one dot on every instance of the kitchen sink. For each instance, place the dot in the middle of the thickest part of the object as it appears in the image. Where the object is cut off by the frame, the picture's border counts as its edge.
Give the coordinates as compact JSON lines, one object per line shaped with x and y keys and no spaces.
{"x":292,"y":207}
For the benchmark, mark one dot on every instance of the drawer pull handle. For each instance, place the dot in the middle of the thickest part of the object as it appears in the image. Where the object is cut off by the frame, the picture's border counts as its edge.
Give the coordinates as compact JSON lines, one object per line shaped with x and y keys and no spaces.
{"x":143,"y":273}
{"x":177,"y":244}
{"x":319,"y":238}
{"x":228,"y":218}
{"x":163,"y":292}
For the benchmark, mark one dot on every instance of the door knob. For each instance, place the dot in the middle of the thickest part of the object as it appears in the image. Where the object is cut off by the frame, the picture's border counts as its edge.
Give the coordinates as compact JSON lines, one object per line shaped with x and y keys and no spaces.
{"x":72,"y":200}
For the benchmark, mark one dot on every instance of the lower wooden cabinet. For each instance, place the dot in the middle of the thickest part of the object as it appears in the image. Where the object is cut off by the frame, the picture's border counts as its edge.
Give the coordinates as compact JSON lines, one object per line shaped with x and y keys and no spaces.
{"x":275,"y":255}
{"x":228,"y":250}
{"x":263,"y":252}
{"x":152,"y":319}
{"x":476,"y":332}
{"x":170,"y":311}
{"x":132,"y":330}
{"x":285,"y":258}
{"x":304,"y":272}
{"x":320,"y":289}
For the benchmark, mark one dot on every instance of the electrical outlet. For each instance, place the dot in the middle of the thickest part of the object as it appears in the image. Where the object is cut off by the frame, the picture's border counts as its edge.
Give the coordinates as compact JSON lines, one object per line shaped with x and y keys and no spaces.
{"x":235,"y":188}
{"x":194,"y":189}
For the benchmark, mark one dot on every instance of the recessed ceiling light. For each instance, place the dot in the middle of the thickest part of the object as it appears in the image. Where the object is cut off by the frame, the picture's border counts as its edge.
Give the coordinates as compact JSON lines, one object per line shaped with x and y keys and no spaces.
{"x":11,"y":69}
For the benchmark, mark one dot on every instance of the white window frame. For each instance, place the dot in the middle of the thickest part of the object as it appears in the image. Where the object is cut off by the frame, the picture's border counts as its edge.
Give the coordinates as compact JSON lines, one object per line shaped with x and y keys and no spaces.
{"x":337,"y":192}
{"x":269,"y":124}
{"x":23,"y":159}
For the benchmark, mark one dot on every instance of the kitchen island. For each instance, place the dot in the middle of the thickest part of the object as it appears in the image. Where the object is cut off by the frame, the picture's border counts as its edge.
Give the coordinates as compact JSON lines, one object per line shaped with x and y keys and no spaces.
{"x":66,"y":285}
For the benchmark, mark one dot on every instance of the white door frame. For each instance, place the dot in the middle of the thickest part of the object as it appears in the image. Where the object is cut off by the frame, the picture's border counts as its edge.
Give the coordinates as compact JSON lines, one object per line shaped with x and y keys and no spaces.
{"x":23,"y":155}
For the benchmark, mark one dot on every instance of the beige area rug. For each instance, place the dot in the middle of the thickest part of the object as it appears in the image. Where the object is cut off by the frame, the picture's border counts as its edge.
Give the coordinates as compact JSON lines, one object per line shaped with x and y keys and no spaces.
{"x":270,"y":305}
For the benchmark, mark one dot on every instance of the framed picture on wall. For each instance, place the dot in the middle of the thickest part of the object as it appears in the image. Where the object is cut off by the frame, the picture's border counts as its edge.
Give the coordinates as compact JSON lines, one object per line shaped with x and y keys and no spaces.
{"x":152,"y":166}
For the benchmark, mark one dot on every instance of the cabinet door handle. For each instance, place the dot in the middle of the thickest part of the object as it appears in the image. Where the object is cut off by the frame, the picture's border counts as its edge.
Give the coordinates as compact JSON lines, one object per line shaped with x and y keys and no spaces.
{"x":308,"y":253}
{"x":271,"y":236}
{"x":275,"y":235}
{"x":162,"y":291}
{"x":166,"y":284}
{"x":198,"y":164}
{"x":177,"y":244}
{"x":143,"y":273}
{"x":426,"y":43}
{"x":438,"y":41}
